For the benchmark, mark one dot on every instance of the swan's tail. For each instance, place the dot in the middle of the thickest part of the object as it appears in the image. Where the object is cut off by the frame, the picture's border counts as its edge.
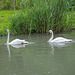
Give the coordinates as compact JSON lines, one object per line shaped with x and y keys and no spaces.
{"x":70,"y":40}
{"x":25,"y":42}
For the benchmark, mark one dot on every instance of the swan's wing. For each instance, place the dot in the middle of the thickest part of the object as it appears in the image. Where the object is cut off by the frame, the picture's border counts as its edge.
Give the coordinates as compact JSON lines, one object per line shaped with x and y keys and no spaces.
{"x":61,"y":39}
{"x":18,"y":41}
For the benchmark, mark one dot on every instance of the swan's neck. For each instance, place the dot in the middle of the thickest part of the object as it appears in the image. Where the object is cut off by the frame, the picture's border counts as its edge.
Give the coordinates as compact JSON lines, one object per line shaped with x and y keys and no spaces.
{"x":51,"y":37}
{"x":8,"y":38}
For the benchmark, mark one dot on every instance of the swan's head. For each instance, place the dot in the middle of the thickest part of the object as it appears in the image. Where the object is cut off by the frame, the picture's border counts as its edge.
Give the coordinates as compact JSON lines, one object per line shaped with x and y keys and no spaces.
{"x":50,"y":31}
{"x":7,"y":30}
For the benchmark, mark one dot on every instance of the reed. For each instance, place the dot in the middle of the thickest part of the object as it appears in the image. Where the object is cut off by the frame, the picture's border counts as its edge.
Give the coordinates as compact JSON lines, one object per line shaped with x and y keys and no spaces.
{"x":41,"y":15}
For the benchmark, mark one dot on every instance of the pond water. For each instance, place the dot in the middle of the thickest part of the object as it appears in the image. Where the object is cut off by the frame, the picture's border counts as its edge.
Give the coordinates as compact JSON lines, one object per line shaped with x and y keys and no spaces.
{"x":37,"y":58}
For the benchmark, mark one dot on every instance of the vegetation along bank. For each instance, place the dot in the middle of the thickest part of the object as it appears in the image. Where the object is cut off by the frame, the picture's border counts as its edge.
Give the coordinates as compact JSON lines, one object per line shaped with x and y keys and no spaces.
{"x":38,"y":17}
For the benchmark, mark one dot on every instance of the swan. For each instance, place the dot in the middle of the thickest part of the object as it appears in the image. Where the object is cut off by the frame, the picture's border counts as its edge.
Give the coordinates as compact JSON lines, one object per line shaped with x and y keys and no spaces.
{"x":58,"y":39}
{"x":16,"y":41}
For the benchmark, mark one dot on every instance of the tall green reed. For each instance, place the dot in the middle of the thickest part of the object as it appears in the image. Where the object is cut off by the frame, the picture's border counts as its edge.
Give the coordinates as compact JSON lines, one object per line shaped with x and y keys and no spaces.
{"x":41,"y":15}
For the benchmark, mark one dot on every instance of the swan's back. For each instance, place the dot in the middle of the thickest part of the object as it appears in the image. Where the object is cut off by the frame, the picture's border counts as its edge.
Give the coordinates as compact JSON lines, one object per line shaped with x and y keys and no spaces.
{"x":61,"y":39}
{"x":18,"y":41}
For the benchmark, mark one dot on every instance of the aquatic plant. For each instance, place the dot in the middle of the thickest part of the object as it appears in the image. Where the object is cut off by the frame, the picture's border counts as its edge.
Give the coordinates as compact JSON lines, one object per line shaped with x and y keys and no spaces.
{"x":41,"y":15}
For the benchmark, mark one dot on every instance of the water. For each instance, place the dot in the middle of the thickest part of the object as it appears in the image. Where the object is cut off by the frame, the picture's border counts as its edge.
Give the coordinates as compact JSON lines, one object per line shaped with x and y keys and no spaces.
{"x":38,"y":58}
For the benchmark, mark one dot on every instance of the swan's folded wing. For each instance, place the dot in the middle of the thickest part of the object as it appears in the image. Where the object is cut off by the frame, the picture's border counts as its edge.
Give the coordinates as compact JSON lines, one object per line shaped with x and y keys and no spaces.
{"x":61,"y":39}
{"x":17,"y":41}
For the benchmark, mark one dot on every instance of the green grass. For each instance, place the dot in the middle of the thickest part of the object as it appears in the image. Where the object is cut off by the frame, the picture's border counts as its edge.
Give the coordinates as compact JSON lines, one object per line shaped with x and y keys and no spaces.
{"x":5,"y":17}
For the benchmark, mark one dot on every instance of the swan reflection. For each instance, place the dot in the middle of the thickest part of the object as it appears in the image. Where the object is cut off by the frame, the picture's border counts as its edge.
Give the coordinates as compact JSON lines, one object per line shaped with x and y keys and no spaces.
{"x":8,"y":50}
{"x":15,"y":46}
{"x":58,"y":45}
{"x":18,"y":45}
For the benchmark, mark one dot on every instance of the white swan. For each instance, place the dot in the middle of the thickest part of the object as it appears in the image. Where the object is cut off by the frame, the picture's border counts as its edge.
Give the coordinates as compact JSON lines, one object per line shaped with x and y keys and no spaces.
{"x":16,"y":41}
{"x":58,"y":39}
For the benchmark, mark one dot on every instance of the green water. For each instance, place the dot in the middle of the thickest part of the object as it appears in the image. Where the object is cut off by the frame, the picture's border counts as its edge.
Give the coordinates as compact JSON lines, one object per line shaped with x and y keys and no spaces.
{"x":39,"y":58}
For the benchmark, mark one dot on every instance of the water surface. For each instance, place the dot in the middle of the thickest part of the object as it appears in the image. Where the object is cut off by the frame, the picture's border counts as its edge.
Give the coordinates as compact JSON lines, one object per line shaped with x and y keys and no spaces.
{"x":39,"y":58}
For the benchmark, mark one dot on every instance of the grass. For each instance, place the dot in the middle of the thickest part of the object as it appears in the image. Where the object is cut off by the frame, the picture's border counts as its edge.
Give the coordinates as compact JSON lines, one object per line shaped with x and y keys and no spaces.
{"x":5,"y":17}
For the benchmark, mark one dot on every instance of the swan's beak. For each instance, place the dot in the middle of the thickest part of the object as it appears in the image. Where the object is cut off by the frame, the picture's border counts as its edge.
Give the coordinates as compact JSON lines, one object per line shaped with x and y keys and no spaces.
{"x":5,"y":31}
